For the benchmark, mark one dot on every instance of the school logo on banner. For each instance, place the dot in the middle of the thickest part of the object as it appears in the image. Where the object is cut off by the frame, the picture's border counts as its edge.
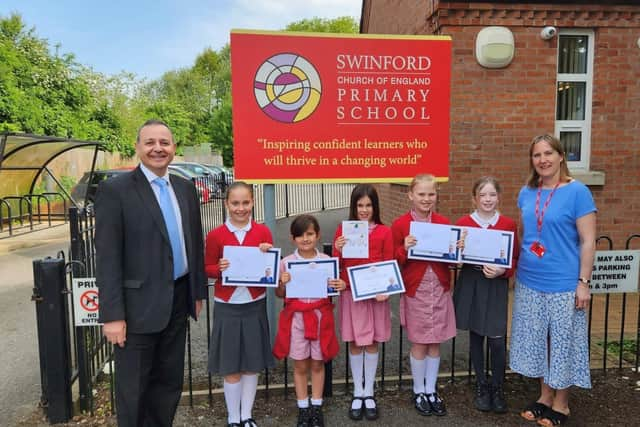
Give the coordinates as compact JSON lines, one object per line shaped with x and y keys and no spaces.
{"x":287,"y":88}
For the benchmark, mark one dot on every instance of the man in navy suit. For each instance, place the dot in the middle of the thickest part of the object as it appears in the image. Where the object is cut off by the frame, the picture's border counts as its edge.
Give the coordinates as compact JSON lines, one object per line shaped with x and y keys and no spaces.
{"x":150,"y":271}
{"x":268,"y":277}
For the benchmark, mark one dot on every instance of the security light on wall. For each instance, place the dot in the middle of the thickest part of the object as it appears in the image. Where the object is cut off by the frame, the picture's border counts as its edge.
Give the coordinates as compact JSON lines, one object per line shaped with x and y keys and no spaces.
{"x":494,"y":47}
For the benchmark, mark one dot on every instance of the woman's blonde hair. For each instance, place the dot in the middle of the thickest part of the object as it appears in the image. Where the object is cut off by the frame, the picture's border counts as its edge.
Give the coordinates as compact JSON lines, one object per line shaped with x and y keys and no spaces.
{"x":555,"y":144}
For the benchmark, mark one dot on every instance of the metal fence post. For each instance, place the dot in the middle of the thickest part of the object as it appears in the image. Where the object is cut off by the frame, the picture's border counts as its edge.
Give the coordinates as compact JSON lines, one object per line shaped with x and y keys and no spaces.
{"x":328,"y":366}
{"x":78,"y":254}
{"x":53,"y":337}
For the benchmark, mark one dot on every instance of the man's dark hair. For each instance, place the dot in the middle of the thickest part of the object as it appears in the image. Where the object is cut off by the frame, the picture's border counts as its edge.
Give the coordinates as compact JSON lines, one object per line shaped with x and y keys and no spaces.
{"x":152,"y":122}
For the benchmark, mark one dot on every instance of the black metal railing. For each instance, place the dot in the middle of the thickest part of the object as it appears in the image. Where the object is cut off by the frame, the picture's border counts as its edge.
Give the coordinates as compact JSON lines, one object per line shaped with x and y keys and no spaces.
{"x":22,"y":213}
{"x":90,"y":353}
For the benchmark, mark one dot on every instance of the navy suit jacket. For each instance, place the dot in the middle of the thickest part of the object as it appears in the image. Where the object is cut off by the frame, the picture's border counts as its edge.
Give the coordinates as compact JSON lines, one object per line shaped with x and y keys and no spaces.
{"x":134,"y":264}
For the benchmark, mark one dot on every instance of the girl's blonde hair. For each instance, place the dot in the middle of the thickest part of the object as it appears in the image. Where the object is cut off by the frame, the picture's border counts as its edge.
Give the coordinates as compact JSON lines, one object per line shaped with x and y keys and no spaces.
{"x":238,"y":184}
{"x":484,"y":180}
{"x":423,"y":177}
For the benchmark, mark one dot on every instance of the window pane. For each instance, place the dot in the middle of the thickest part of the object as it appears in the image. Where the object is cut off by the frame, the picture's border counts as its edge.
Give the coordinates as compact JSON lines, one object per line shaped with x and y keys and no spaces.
{"x":571,"y":143}
{"x":571,"y":100}
{"x":572,"y":55}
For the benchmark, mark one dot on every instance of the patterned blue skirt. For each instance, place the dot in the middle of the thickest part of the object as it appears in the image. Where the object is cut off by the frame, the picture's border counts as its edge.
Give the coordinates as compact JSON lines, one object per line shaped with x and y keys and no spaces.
{"x":549,"y":338}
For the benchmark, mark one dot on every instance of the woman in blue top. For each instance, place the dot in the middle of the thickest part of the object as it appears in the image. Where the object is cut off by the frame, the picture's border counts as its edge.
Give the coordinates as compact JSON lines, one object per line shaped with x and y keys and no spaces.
{"x":549,"y":326}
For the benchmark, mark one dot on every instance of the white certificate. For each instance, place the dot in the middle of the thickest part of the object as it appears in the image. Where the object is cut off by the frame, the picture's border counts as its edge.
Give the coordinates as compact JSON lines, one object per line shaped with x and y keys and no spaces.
{"x":488,"y":247}
{"x":378,"y":278}
{"x":435,"y":242}
{"x":249,"y":266}
{"x":308,"y":283}
{"x":357,"y":235}
{"x":328,"y":265}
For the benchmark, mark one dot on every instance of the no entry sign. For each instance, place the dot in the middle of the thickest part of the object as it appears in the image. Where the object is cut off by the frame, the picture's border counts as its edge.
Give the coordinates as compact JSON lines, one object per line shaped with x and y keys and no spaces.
{"x":86,"y":301}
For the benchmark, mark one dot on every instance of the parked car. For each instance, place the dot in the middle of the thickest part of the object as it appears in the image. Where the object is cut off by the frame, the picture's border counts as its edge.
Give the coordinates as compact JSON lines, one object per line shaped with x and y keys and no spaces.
{"x":194,"y":167}
{"x":223,"y":176}
{"x":84,"y":192}
{"x":227,"y":172}
{"x":213,"y":178}
{"x":203,"y":189}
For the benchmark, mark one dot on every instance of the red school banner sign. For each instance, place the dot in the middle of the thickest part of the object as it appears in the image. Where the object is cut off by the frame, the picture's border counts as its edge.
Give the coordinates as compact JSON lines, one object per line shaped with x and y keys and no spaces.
{"x":312,"y":107}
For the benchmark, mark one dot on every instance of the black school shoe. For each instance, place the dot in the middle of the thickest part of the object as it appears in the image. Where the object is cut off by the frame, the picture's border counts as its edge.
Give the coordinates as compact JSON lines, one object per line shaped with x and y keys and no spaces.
{"x":498,"y":402}
{"x":250,"y":422}
{"x":303,"y":417}
{"x":356,"y":414}
{"x":370,"y":413}
{"x":316,"y":419}
{"x":437,"y":404}
{"x":421,"y":404}
{"x":482,"y":400}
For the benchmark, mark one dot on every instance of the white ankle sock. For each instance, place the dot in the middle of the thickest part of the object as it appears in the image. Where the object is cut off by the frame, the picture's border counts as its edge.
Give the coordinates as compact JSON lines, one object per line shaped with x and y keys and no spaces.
{"x":431,"y":375}
{"x":418,"y":370}
{"x":356,"y":361}
{"x":370,"y":368}
{"x":232,"y":393}
{"x":356,"y":404}
{"x":370,"y":403}
{"x":249,"y":387}
{"x":304,"y":403}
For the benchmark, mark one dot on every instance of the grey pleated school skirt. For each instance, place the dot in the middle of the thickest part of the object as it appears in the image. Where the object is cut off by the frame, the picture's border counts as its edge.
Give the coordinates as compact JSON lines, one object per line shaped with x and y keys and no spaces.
{"x":240,"y":340}
{"x":481,"y":304}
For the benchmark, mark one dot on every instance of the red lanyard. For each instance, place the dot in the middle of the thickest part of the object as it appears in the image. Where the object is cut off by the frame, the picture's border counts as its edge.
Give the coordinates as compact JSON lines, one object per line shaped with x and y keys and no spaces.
{"x":540,"y":214}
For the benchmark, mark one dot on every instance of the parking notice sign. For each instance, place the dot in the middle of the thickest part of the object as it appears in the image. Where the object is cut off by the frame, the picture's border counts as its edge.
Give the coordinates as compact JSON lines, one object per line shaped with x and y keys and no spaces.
{"x":615,"y":272}
{"x":86,"y":301}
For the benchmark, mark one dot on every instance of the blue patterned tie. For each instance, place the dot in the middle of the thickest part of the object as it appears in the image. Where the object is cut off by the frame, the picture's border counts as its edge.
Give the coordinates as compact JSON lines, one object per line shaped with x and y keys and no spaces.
{"x":171,"y":222}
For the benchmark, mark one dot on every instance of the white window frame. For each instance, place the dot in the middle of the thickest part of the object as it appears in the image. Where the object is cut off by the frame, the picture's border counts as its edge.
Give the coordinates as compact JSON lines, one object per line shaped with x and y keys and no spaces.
{"x":583,"y":126}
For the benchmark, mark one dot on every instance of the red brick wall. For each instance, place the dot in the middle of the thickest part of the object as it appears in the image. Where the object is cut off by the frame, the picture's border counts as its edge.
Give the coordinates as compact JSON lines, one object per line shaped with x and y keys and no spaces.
{"x":396,"y":16}
{"x":615,"y":131}
{"x":495,"y":113}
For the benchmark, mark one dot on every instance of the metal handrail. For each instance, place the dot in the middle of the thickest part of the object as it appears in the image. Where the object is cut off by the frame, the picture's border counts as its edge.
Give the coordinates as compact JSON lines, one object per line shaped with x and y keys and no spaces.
{"x":21,"y":214}
{"x":3,"y":201}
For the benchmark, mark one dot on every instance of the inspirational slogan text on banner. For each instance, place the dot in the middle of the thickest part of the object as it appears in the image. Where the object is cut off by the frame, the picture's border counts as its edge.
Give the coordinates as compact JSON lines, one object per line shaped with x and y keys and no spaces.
{"x":342,"y":108}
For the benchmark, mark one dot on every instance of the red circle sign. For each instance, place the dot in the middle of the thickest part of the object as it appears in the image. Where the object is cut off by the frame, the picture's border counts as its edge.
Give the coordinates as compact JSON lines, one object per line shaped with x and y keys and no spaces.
{"x":89,"y":300}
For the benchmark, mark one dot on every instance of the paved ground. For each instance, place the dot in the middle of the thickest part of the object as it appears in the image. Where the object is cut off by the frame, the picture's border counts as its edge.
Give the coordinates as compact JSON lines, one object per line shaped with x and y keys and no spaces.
{"x":612,"y":401}
{"x":19,"y":362}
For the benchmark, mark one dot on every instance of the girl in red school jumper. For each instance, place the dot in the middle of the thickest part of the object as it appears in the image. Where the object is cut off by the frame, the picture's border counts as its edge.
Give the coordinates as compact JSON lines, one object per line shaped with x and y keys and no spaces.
{"x":481,"y":296}
{"x":426,"y":308}
{"x":366,"y":323}
{"x":240,"y":344}
{"x":306,"y":330}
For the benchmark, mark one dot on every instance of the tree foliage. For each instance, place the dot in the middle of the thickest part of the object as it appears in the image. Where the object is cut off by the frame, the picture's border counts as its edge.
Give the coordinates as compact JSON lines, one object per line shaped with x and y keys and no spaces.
{"x":45,"y":93}
{"x":343,"y":24}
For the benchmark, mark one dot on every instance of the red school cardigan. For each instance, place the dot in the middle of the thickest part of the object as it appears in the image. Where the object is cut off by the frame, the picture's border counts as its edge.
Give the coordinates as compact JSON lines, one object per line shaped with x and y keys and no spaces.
{"x":220,"y":237}
{"x":413,"y":270}
{"x":327,"y":335}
